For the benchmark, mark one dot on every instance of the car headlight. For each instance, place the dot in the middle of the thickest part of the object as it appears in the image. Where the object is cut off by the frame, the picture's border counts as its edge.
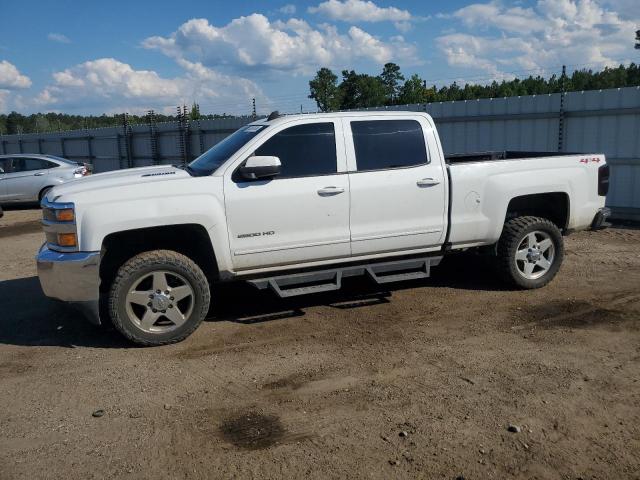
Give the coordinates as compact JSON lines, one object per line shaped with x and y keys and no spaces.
{"x":59,"y":224}
{"x":65,"y":215}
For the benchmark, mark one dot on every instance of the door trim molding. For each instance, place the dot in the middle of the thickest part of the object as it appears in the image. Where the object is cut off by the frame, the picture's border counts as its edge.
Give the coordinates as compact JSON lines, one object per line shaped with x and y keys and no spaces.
{"x":392,"y":235}
{"x":290,"y":247}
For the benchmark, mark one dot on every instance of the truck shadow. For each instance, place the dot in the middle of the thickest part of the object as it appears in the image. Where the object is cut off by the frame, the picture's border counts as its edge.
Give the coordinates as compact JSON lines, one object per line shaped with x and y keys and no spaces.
{"x":31,"y":319}
{"x":241,"y":303}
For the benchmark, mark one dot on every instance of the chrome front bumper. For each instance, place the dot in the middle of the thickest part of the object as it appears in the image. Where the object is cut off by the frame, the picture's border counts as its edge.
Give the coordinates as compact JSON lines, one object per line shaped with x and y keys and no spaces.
{"x":71,"y":277}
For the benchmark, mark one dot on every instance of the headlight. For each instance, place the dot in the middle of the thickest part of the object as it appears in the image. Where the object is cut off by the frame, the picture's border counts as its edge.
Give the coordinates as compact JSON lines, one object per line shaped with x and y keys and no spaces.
{"x":59,"y":224}
{"x":67,"y":240}
{"x":65,"y":215}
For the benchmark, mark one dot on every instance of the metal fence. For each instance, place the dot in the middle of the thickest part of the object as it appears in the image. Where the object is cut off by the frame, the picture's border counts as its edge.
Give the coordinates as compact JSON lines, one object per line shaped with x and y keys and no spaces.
{"x":128,"y":146}
{"x":600,"y":121}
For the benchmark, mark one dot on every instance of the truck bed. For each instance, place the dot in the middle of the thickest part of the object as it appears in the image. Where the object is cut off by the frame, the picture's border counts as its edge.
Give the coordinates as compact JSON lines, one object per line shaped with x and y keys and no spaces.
{"x":480,"y":183}
{"x":500,"y":155}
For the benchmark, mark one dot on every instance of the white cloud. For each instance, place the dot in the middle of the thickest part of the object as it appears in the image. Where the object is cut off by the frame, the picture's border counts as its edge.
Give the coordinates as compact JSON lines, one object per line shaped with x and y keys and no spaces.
{"x":504,"y":39}
{"x":360,"y":11}
{"x":4,"y":103}
{"x":404,"y":27}
{"x":107,"y":84}
{"x":253,"y":42}
{"x":288,"y":9}
{"x":11,"y":78}
{"x":58,"y":37}
{"x":515,"y":19}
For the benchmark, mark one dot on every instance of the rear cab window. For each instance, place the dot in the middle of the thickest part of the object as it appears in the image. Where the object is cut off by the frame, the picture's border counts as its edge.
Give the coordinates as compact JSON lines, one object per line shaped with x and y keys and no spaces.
{"x":388,"y":144}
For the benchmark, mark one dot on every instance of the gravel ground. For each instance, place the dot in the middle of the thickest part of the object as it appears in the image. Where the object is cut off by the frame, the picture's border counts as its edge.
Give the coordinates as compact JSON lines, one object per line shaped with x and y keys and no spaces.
{"x":419,"y":381}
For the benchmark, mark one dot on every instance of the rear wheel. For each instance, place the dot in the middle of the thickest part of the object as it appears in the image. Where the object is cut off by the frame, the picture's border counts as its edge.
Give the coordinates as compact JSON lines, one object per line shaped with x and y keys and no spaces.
{"x":158,"y":297}
{"x":530,"y":251}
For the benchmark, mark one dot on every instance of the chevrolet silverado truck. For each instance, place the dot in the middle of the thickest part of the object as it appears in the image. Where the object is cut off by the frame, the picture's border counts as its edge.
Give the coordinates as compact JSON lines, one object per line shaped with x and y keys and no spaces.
{"x":298,"y":203}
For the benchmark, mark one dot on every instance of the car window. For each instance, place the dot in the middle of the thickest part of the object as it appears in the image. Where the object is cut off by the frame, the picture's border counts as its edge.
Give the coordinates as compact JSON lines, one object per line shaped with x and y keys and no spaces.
{"x":5,"y":165}
{"x":304,"y":150}
{"x":384,"y":144}
{"x":22,"y":164}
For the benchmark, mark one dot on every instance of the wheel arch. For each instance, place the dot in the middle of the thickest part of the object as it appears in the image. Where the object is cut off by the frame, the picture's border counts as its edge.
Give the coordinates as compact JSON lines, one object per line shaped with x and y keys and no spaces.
{"x":554,"y":206}
{"x":43,"y":191}
{"x":191,"y":240}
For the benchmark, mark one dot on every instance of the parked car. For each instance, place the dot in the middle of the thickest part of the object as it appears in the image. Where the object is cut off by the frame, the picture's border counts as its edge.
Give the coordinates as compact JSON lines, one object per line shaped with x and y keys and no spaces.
{"x":27,"y":178}
{"x":296,"y":204}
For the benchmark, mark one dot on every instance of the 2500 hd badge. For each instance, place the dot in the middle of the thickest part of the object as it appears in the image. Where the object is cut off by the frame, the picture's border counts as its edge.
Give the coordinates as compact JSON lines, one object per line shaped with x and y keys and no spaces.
{"x":256,"y":234}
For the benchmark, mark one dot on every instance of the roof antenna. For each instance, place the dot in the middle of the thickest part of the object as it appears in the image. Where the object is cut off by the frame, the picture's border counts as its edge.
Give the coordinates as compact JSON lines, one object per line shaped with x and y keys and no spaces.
{"x":273,"y":115}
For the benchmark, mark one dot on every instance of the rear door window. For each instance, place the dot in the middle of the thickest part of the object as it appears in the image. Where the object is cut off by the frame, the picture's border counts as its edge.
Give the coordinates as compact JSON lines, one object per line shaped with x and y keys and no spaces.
{"x":386,"y":144}
{"x":304,"y":150}
{"x":22,"y":164}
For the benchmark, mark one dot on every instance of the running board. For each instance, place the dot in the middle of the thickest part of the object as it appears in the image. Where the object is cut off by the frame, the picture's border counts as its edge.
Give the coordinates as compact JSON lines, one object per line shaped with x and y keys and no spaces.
{"x":329,"y":280}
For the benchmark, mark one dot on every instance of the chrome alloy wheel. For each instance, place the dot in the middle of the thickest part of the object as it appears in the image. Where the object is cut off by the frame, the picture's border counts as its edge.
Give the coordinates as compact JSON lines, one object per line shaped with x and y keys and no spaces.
{"x":535,"y":255}
{"x":160,"y":301}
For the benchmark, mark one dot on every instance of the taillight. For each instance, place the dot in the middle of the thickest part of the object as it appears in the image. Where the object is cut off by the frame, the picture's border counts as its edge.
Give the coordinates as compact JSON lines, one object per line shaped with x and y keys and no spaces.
{"x":603,"y":180}
{"x":80,"y":172}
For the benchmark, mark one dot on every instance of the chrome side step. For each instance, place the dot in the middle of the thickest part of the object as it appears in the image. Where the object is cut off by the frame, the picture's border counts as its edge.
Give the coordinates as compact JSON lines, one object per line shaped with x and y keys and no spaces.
{"x":328,"y":280}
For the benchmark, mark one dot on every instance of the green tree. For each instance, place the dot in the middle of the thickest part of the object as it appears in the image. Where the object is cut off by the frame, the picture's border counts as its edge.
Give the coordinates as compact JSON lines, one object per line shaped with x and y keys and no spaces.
{"x":360,"y":90}
{"x":415,"y":91}
{"x":194,"y":114}
{"x":324,"y":90}
{"x":391,"y":78}
{"x":15,"y":123}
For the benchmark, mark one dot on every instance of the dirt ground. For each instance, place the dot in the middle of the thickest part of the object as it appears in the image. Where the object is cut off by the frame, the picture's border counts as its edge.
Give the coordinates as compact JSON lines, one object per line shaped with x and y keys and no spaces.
{"x":419,"y":381}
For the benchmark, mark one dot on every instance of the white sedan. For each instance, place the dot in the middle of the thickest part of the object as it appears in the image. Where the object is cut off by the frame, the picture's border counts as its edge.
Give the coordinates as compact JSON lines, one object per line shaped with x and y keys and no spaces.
{"x":27,"y":177}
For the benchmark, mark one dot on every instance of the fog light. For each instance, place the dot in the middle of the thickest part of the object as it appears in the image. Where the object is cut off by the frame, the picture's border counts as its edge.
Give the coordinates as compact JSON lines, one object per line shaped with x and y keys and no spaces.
{"x":67,"y":239}
{"x":65,"y":215}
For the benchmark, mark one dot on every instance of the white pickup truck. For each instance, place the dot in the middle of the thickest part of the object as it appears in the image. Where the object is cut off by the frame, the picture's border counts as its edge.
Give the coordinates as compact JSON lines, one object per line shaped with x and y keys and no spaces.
{"x":297,"y":203}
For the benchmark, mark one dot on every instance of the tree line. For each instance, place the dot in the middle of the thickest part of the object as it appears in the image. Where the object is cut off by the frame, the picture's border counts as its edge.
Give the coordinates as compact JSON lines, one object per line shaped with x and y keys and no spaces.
{"x":360,"y":90}
{"x":355,"y":90}
{"x":17,"y":123}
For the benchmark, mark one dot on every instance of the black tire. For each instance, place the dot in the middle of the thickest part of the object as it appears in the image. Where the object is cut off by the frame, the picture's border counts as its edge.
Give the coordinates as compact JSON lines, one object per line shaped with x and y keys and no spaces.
{"x":144,"y":264}
{"x":514,"y":233}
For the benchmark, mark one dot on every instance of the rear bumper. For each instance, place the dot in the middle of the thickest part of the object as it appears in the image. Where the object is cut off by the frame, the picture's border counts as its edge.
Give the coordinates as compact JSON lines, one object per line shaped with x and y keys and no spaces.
{"x":600,"y":220}
{"x":71,"y":277}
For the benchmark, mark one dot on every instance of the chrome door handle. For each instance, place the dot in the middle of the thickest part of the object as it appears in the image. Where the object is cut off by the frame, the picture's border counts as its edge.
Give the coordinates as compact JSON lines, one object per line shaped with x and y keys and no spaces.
{"x":427,"y":182}
{"x":326,"y":191}
{"x":39,"y":174}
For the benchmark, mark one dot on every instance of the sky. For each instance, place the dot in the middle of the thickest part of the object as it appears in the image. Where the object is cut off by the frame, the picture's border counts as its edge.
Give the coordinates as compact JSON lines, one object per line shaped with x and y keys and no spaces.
{"x":94,"y":57}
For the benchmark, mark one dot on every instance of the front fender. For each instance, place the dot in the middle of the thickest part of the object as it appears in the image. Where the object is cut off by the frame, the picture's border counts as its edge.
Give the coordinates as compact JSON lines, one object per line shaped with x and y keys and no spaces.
{"x":97,"y":221}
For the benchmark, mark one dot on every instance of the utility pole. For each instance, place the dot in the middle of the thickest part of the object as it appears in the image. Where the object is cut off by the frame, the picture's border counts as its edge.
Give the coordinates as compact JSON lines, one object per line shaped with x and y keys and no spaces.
{"x":561,"y":113}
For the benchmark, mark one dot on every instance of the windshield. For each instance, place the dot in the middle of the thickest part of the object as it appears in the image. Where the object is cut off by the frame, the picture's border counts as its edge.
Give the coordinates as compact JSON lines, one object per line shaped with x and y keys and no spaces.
{"x":209,"y":161}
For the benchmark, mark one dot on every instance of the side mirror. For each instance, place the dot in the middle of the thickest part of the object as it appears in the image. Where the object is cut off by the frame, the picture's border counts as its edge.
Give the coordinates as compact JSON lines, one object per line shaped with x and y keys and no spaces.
{"x":257,"y":167}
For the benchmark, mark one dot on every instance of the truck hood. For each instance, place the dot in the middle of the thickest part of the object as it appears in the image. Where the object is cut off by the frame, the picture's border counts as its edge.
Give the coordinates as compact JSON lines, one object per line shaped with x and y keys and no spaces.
{"x":118,"y":178}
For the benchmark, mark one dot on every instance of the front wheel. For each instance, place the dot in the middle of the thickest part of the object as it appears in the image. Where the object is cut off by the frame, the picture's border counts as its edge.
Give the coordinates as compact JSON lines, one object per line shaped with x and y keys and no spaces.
{"x":158,"y":297}
{"x":530,"y":251}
